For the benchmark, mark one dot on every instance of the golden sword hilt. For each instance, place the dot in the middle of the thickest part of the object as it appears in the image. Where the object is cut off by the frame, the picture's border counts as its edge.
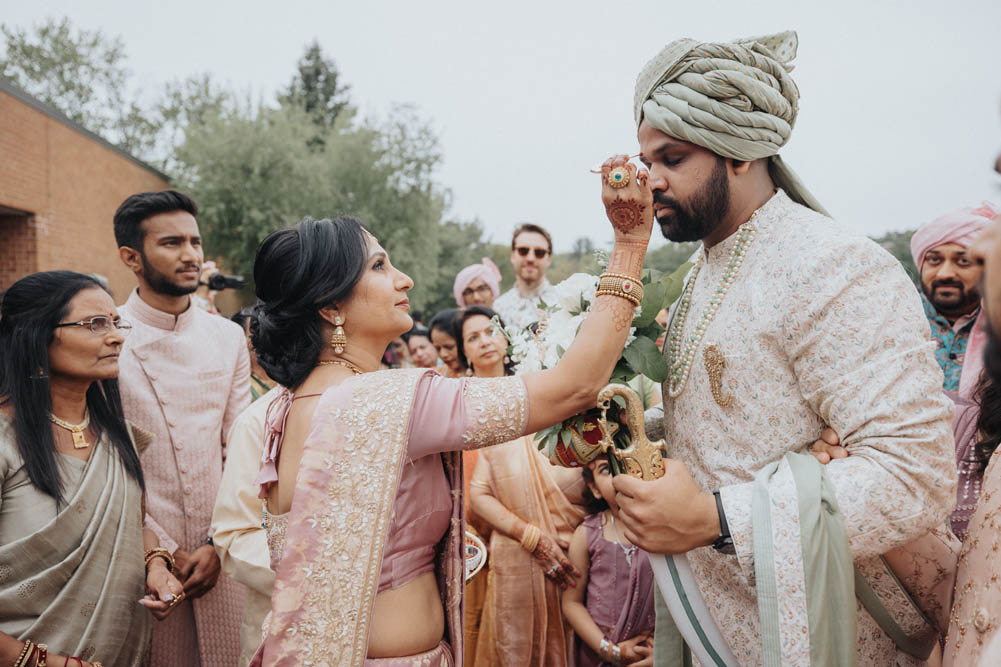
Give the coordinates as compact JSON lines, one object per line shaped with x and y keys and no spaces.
{"x":643,"y":458}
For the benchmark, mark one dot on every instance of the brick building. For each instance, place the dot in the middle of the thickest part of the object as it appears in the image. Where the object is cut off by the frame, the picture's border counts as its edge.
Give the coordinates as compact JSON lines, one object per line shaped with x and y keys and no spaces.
{"x":59,"y":188}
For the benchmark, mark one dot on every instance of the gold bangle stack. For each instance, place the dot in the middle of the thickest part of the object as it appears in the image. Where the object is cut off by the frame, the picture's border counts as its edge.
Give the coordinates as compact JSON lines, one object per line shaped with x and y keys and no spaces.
{"x":530,"y":537}
{"x":160,"y":552}
{"x":26,"y":653}
{"x":620,"y":285}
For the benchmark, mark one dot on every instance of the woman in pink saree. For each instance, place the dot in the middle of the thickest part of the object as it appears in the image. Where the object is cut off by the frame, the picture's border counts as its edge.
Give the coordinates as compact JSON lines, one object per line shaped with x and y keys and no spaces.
{"x":363,"y":467}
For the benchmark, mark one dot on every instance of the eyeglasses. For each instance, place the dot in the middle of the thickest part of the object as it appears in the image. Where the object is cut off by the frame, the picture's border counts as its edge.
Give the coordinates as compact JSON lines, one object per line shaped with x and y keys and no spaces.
{"x":539,"y":252}
{"x":100,"y":325}
{"x":482,"y":290}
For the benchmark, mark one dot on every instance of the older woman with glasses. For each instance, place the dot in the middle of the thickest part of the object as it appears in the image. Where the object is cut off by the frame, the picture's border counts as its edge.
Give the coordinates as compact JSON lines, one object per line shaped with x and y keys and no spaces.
{"x":74,"y":555}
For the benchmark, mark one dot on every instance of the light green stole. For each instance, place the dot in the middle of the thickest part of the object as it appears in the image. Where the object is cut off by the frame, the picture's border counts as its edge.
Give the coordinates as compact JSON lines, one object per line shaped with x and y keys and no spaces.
{"x":832,"y":584}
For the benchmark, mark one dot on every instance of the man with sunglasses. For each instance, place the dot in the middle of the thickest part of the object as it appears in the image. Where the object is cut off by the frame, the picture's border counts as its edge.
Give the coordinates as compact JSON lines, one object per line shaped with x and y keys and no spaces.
{"x":185,"y":377}
{"x":531,"y":254}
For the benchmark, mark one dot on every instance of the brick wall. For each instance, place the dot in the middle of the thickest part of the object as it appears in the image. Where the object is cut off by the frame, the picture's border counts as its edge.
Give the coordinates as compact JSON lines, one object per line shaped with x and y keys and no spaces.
{"x":70,"y":184}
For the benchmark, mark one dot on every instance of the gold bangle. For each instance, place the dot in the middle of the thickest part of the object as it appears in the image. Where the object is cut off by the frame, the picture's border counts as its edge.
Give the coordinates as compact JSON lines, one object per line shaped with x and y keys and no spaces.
{"x":160,"y":552}
{"x":530,"y":537}
{"x":620,"y":285}
{"x":43,"y":655}
{"x":21,"y":659}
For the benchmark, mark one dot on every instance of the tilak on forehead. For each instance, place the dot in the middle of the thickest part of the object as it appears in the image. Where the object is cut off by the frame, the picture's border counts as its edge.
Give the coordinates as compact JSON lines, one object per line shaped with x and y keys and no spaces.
{"x":735,"y":99}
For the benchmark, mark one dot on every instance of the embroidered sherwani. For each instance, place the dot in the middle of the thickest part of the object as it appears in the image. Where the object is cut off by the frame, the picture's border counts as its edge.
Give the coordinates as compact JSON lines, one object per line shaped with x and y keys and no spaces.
{"x":820,"y":328}
{"x":185,"y":379}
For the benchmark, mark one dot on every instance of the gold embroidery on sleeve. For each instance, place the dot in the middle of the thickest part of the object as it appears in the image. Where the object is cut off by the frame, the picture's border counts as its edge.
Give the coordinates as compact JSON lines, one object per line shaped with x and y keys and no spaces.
{"x":496,"y":411}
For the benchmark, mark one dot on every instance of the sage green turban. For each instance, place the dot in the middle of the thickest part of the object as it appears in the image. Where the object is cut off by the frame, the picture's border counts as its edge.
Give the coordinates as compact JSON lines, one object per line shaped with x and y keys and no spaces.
{"x":735,"y":99}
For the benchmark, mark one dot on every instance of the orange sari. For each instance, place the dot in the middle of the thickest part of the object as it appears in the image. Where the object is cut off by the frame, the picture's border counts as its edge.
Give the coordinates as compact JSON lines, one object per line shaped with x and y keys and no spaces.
{"x":522,"y":623}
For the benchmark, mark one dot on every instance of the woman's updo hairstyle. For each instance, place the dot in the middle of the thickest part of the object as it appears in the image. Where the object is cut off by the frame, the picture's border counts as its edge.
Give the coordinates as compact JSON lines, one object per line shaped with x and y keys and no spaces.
{"x":297,"y":272}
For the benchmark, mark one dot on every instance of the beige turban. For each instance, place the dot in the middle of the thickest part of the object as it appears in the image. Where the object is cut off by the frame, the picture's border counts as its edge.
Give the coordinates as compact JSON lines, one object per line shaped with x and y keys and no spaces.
{"x":735,"y":99}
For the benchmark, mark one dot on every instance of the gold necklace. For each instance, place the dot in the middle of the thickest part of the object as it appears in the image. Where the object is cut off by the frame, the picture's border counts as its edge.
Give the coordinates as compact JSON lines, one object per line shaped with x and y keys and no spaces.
{"x":682,"y":353}
{"x":79,"y":442}
{"x":340,"y":362}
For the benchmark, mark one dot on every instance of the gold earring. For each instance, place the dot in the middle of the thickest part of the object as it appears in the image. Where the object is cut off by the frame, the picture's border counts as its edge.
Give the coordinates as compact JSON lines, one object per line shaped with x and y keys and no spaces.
{"x":337,"y":339}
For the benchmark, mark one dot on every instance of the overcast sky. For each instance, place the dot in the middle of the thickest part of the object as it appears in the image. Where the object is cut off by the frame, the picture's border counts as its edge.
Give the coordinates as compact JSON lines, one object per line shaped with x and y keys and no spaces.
{"x":900,"y":116}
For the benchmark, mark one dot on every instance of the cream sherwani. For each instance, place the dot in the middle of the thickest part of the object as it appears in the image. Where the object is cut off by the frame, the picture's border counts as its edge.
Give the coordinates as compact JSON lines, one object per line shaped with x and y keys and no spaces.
{"x":821,"y":327}
{"x":185,"y":379}
{"x":239,"y":536}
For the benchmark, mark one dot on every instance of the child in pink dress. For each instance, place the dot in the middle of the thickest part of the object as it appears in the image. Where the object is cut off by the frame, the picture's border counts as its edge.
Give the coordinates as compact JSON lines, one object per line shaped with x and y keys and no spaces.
{"x":611,"y":608}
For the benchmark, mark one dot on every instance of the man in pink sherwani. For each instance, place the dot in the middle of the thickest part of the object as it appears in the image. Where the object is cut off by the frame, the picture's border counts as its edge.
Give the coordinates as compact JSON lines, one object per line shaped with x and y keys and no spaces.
{"x":185,"y":376}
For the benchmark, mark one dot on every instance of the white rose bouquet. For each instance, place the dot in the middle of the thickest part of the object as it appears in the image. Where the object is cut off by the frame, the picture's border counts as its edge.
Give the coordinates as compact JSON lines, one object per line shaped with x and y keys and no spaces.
{"x":540,"y":346}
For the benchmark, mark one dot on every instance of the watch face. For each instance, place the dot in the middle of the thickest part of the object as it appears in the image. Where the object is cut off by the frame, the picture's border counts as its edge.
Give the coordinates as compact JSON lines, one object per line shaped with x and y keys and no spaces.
{"x":724,"y":545}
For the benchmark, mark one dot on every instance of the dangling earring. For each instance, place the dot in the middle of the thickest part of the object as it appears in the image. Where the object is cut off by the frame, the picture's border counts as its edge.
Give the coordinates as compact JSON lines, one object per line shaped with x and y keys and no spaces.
{"x":337,"y":339}
{"x":40,"y":375}
{"x":469,"y":371}
{"x":507,"y":360}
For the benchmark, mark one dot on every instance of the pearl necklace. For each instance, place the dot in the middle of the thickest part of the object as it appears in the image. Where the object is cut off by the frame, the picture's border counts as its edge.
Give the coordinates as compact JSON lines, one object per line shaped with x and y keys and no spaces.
{"x":680,"y":359}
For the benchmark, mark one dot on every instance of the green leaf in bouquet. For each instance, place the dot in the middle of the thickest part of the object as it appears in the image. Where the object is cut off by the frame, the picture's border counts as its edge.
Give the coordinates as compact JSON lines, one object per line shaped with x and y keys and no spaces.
{"x":644,"y":358}
{"x":560,"y":351}
{"x":653,"y":301}
{"x":622,"y":373}
{"x":674,"y":284}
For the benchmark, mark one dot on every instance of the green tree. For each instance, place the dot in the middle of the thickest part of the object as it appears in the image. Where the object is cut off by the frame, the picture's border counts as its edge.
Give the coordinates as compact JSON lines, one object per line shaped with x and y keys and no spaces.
{"x":83,"y":75}
{"x":669,"y":257}
{"x":898,"y":244}
{"x":255,"y":172}
{"x":316,"y":88}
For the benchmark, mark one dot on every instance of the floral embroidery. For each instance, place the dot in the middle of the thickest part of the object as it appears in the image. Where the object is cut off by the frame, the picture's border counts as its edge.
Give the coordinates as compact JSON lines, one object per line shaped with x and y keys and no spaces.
{"x":346,"y":485}
{"x":804,"y":348}
{"x":496,"y":410}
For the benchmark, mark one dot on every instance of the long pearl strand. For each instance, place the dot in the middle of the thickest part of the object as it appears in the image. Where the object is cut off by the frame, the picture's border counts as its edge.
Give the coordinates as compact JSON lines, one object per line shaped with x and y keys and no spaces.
{"x":680,"y":358}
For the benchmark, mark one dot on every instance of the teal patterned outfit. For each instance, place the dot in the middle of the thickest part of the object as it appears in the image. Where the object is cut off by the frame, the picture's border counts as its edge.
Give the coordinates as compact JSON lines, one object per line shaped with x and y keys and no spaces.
{"x":951,"y":340}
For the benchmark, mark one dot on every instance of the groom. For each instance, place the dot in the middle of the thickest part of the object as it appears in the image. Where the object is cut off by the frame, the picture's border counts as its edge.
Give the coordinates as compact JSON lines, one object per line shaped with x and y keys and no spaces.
{"x":788,"y":323}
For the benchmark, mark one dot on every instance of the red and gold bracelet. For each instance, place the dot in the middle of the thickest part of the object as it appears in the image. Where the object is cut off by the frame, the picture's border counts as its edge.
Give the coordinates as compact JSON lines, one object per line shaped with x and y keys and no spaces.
{"x":160,"y":552}
{"x":620,"y":285}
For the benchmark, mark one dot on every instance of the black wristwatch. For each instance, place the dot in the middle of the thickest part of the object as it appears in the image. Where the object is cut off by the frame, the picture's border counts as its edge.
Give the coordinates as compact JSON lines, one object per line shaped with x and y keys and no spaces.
{"x":723,"y":543}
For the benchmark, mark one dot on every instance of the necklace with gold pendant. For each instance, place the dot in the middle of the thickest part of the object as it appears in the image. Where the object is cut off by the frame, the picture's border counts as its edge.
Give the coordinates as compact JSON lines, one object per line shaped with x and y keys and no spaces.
{"x":340,"y":362}
{"x":79,"y":441}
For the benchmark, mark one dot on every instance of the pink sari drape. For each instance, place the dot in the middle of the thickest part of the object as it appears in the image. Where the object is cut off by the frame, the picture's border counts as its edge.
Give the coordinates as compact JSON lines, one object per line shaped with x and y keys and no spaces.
{"x":362,"y":431}
{"x":522,"y":623}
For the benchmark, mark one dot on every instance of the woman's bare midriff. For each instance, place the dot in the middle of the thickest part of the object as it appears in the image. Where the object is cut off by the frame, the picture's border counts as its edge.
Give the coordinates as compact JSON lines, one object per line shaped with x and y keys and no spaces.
{"x":407,"y":620}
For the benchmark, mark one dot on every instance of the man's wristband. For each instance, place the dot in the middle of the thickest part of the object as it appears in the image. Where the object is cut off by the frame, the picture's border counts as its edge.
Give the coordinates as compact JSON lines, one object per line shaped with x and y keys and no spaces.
{"x":724,"y":543}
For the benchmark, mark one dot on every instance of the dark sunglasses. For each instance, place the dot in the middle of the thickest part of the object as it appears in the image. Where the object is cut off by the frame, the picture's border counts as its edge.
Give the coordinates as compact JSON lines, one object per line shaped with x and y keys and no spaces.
{"x":539,"y":252}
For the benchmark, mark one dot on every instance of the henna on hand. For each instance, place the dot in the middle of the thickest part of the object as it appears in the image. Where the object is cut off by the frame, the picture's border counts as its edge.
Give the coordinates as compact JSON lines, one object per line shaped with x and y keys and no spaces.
{"x":622,"y":310}
{"x":550,"y":556}
{"x":625,"y":214}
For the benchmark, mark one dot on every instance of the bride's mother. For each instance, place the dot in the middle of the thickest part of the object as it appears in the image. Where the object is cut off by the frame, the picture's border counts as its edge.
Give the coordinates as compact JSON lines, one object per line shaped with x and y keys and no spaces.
{"x":72,"y":543}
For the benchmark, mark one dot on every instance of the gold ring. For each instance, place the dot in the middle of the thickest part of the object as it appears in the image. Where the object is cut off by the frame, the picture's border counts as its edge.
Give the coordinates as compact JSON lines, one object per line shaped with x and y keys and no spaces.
{"x":618,"y":177}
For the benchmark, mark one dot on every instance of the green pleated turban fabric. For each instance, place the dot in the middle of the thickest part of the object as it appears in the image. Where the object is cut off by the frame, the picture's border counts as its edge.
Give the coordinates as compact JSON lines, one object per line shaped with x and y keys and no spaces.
{"x":735,"y":99}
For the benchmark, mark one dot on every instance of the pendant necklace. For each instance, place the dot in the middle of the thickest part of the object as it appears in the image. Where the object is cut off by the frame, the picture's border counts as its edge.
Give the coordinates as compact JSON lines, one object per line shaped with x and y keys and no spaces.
{"x":340,"y":362}
{"x":79,"y":441}
{"x":628,"y":551}
{"x":680,"y":356}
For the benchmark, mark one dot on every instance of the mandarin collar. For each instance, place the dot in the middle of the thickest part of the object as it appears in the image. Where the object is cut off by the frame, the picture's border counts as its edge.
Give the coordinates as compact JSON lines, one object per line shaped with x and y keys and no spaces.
{"x":720,"y":253}
{"x":150,"y":316}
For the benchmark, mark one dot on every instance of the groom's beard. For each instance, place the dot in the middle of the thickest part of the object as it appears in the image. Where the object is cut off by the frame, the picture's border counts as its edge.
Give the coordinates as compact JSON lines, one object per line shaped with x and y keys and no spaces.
{"x":703,"y":213}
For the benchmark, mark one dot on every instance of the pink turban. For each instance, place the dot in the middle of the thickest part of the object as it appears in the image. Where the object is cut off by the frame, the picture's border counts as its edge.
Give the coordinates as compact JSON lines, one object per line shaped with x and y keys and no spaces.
{"x":487,"y":272}
{"x":960,"y":226}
